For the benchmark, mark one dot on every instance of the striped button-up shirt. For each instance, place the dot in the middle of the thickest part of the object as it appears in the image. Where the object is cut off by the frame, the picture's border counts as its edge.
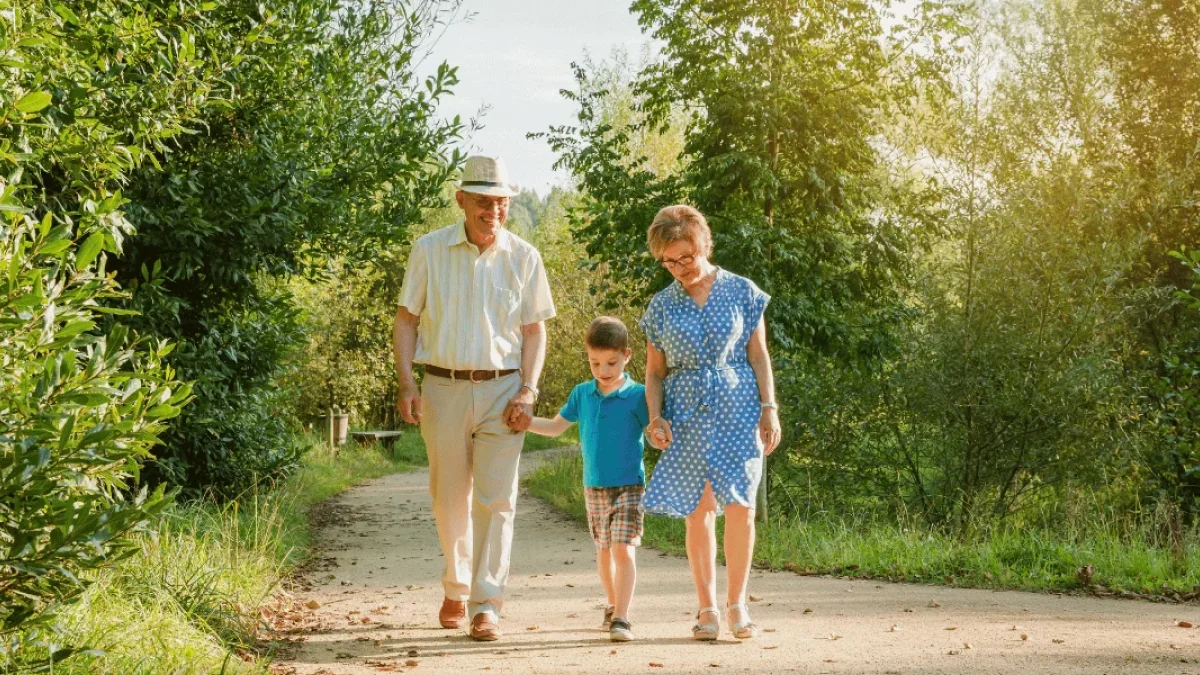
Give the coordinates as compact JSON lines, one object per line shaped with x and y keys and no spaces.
{"x":472,"y":305}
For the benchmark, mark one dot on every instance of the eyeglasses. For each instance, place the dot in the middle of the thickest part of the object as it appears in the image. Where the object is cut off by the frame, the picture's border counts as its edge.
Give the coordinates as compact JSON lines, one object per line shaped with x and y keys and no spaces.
{"x":486,"y":202}
{"x":681,"y":261}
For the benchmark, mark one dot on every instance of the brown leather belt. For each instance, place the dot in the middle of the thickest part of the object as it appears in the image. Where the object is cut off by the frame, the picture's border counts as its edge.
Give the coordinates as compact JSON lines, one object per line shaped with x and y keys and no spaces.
{"x":472,"y":375}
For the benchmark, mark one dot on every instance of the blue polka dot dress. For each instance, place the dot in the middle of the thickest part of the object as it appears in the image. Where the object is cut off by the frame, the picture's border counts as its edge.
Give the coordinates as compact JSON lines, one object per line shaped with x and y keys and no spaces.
{"x":710,"y":395}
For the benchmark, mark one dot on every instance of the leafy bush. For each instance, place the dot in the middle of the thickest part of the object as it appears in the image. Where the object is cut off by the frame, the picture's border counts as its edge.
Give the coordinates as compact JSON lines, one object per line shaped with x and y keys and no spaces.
{"x":89,"y":94}
{"x":329,"y":145}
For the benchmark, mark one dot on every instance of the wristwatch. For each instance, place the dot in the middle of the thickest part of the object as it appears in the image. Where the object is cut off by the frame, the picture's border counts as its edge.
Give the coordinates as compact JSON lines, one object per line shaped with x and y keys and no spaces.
{"x":532,"y":388}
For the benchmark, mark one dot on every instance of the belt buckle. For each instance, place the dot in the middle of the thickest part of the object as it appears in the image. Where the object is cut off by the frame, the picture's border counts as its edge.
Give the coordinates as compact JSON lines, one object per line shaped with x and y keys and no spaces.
{"x":472,"y":376}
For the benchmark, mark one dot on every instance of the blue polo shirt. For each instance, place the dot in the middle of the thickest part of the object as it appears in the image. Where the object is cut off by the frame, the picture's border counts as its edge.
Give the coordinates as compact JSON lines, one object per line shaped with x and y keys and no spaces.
{"x":610,"y":431}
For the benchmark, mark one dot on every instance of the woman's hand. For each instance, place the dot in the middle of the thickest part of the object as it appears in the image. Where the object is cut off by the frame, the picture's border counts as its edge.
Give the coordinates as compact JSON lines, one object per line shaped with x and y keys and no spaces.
{"x":769,"y":430}
{"x":659,"y":433}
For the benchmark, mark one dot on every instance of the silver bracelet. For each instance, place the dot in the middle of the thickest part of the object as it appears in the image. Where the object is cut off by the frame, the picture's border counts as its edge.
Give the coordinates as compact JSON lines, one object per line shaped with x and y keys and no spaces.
{"x":769,"y":404}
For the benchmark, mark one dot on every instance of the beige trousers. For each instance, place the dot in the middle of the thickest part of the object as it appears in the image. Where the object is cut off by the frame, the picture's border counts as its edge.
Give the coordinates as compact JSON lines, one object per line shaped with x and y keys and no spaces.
{"x":473,"y":459}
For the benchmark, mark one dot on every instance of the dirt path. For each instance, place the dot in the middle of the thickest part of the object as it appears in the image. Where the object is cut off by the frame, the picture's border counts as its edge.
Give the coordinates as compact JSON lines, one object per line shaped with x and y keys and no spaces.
{"x":378,"y":594}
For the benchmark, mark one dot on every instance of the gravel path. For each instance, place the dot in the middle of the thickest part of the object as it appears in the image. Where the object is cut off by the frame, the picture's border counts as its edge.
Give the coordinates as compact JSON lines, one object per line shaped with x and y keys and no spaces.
{"x":369,"y":605}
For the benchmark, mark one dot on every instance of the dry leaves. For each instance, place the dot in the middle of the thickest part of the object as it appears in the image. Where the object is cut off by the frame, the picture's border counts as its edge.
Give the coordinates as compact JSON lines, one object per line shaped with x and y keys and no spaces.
{"x":655,"y":664}
{"x":1184,"y":624}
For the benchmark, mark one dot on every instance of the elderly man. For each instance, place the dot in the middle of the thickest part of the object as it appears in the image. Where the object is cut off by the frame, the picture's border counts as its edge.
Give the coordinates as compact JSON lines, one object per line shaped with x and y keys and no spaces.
{"x":472,"y":309}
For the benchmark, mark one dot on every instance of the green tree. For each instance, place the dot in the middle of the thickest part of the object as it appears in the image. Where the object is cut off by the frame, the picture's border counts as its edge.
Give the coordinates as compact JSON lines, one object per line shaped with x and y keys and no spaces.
{"x":330,"y":147}
{"x":90,"y":93}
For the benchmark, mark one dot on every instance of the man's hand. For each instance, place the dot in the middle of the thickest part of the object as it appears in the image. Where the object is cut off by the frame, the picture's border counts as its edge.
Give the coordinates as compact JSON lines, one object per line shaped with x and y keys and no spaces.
{"x":409,"y":403}
{"x":518,"y":414}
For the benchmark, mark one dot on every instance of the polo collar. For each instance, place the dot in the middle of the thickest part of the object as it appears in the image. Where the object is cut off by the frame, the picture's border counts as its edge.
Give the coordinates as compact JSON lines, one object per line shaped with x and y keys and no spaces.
{"x":621,"y":392}
{"x":503,"y":237}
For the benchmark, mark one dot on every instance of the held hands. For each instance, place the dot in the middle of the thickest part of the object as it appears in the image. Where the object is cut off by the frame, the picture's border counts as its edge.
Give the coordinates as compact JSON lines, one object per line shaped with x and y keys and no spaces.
{"x":409,"y":402}
{"x":769,"y":430}
{"x":658,"y":432}
{"x":518,"y":414}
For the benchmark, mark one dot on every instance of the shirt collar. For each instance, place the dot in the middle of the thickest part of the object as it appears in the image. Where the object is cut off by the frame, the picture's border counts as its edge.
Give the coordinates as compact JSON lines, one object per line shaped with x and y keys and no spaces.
{"x":622,"y":391}
{"x":503,"y":237}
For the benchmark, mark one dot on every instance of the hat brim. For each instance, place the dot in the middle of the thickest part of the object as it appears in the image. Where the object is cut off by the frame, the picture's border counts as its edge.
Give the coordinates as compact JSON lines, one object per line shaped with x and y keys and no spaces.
{"x":489,"y":190}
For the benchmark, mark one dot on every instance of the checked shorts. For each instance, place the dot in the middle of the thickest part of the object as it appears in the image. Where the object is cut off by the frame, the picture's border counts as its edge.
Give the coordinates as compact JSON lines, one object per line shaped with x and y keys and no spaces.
{"x":615,"y":514}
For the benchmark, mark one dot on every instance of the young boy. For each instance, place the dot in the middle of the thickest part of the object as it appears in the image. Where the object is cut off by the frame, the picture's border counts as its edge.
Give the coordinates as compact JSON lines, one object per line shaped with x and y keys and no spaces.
{"x":611,"y":411}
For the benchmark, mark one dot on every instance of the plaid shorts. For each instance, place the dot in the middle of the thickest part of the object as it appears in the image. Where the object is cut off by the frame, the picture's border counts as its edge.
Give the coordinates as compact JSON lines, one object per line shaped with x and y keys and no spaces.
{"x":615,"y":514}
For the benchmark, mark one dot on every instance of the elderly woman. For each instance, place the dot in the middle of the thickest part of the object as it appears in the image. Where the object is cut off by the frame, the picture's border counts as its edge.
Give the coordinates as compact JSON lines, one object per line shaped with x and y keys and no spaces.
{"x":711,"y":396}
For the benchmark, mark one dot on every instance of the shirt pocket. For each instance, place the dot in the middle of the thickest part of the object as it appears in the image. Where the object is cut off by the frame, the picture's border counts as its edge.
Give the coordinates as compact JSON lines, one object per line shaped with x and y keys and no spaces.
{"x":507,"y":304}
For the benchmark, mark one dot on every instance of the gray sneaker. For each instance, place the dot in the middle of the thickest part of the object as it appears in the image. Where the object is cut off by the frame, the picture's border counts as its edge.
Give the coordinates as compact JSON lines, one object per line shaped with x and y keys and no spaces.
{"x":608,"y":612}
{"x":620,"y":631}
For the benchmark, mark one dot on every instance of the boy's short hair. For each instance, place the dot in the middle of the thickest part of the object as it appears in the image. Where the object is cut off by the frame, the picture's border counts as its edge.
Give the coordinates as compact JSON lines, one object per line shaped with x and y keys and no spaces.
{"x":607,"y":332}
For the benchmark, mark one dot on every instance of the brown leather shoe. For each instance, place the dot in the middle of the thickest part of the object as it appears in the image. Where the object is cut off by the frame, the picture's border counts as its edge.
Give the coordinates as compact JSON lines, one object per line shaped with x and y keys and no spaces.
{"x":484,"y":628}
{"x":453,"y":613}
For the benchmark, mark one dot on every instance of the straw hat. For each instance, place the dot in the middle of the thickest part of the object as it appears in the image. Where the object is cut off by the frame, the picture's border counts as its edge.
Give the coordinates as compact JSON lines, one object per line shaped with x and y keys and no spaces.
{"x":486,"y":176}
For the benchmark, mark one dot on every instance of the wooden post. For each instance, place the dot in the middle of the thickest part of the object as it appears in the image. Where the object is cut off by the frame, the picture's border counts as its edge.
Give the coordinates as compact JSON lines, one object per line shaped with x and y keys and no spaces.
{"x":332,"y":444}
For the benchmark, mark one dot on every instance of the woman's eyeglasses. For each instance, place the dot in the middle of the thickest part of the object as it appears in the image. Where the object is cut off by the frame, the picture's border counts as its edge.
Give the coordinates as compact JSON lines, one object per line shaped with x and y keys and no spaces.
{"x":681,"y":261}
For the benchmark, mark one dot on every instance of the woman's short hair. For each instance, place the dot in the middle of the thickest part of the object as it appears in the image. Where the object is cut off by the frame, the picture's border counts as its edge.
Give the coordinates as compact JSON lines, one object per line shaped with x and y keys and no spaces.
{"x":679,"y":222}
{"x":607,"y":332}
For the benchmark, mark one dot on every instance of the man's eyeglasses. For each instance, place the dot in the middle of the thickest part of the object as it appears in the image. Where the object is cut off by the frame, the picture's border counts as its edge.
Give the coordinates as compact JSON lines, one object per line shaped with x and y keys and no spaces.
{"x":484,"y":201}
{"x":681,"y":261}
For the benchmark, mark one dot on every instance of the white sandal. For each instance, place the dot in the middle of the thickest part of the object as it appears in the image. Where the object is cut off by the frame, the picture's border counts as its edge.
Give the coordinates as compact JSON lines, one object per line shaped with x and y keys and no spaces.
{"x":707,"y":631}
{"x":742,"y":630}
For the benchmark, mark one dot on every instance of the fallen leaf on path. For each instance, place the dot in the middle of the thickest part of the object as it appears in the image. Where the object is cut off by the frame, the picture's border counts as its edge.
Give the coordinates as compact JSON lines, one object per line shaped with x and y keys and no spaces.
{"x":1058,"y":641}
{"x":714,"y":665}
{"x":953,"y":652}
{"x":769,"y":630}
{"x":754,"y":598}
{"x":966,"y":645}
{"x":412,"y":652}
{"x":531,"y":627}
{"x":951,"y":628}
{"x":312,"y":604}
{"x":1184,"y":624}
{"x":654,"y":664}
{"x":1176,"y":647}
{"x":771,"y":647}
{"x":1024,"y":637}
{"x":807,"y":610}
{"x":570,"y":585}
{"x":934,"y":603}
{"x":612,"y":652}
{"x":411,"y":663}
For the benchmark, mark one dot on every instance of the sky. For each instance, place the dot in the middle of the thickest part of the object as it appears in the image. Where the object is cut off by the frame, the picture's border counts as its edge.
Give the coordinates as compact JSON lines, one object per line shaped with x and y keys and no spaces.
{"x":514,"y":56}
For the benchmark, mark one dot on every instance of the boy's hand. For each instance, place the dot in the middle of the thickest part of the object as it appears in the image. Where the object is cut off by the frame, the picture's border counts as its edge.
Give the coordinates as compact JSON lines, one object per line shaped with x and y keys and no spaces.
{"x":518,"y":414}
{"x":659,"y":433}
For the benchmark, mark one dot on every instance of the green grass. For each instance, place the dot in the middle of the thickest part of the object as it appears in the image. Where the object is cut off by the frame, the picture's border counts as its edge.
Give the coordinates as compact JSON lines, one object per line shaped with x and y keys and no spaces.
{"x":1126,"y":556}
{"x":187,"y":601}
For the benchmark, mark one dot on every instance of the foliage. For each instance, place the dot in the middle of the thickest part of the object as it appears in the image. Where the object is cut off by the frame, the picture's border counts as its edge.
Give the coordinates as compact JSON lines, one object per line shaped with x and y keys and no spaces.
{"x":89,"y":95}
{"x":328,"y":146}
{"x":347,"y":361}
{"x":779,"y":101}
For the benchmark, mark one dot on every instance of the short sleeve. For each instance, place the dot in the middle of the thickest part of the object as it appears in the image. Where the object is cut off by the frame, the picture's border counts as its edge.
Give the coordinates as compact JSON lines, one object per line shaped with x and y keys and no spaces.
{"x":416,"y":280}
{"x":651,"y":323}
{"x":641,"y":410}
{"x":756,"y":305}
{"x":570,"y":409}
{"x":536,"y":303}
